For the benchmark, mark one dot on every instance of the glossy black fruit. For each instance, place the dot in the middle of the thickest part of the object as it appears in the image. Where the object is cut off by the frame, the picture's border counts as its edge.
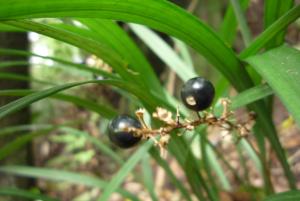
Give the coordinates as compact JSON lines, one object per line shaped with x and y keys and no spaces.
{"x":122,"y":138}
{"x":197,"y":93}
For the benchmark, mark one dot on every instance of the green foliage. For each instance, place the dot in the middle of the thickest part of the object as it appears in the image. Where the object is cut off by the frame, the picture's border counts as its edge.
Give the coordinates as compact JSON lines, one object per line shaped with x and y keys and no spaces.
{"x":134,"y":77}
{"x":280,"y":68}
{"x":286,"y":196}
{"x":24,"y":194}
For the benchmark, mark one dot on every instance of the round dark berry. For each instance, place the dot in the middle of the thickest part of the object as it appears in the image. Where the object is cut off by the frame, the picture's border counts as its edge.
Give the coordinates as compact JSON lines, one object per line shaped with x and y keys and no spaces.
{"x":122,"y":138}
{"x":197,"y":93}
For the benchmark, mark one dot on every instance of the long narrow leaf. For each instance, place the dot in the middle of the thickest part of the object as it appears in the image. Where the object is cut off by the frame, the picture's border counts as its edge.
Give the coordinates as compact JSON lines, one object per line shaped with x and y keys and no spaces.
{"x":19,"y":142}
{"x":161,"y":15}
{"x":102,"y":109}
{"x":270,"y":32}
{"x":125,"y":170}
{"x":148,"y":177}
{"x":107,"y":31}
{"x":154,"y":153}
{"x":285,"y":196}
{"x":80,"y":40}
{"x":60,"y":175}
{"x":251,"y":95}
{"x":229,"y":25}
{"x":163,"y":51}
{"x":272,"y":11}
{"x":245,"y":30}
{"x":280,"y":68}
{"x":15,"y":192}
{"x":81,"y":67}
{"x":27,"y":100}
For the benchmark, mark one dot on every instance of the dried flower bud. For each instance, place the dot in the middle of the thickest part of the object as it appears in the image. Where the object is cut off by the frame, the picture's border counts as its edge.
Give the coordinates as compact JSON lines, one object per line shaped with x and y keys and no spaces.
{"x":190,"y":127}
{"x":140,"y":112}
{"x":164,"y":140}
{"x":164,"y":115}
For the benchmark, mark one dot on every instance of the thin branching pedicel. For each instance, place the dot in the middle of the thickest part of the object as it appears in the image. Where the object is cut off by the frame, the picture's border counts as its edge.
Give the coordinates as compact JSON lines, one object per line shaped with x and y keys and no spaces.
{"x":172,"y":124}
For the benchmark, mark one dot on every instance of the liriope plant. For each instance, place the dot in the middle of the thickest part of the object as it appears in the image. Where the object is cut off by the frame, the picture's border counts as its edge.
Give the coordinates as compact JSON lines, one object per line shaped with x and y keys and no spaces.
{"x":102,"y":37}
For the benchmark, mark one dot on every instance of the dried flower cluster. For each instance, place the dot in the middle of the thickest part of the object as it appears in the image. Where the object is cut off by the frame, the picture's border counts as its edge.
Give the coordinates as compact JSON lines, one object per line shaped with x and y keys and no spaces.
{"x":173,"y":122}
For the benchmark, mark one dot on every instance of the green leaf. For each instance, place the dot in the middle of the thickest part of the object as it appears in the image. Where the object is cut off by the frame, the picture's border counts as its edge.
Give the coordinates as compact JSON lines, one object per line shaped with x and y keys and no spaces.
{"x":160,"y":15}
{"x":226,"y":163}
{"x":286,"y":196}
{"x":229,"y":26}
{"x":163,"y":51}
{"x":15,"y":192}
{"x":240,"y":16}
{"x":184,"y":53}
{"x":5,"y":64}
{"x":163,"y":163}
{"x":19,"y":142}
{"x":245,"y":145}
{"x":188,"y":162}
{"x":251,"y":95}
{"x":119,"y":177}
{"x":80,"y":39}
{"x":60,"y":175}
{"x":81,"y":67}
{"x":272,"y":11}
{"x":29,"y":99}
{"x":280,"y":67}
{"x":12,"y":76}
{"x":129,"y":70}
{"x":205,"y":164}
{"x":108,"y":32}
{"x":266,"y":127}
{"x":15,"y":129}
{"x":148,"y":177}
{"x":271,"y":32}
{"x":102,"y":109}
{"x":215,"y":165}
{"x":7,"y":28}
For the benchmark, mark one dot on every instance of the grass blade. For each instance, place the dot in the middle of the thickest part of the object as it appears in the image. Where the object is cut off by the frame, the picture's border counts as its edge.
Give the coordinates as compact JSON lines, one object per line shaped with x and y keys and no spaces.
{"x":163,"y":51}
{"x":285,"y":196}
{"x":60,"y":175}
{"x":5,"y":64}
{"x":80,"y":40}
{"x":125,"y":170}
{"x":280,"y":68}
{"x":229,"y":25}
{"x":148,"y":177}
{"x":272,"y":11}
{"x":15,"y":192}
{"x":16,"y":144}
{"x":259,"y":42}
{"x":251,"y":95}
{"x":81,"y":67}
{"x":108,"y":32}
{"x":245,"y":30}
{"x":12,"y":76}
{"x":214,"y":164}
{"x":102,"y":109}
{"x":161,"y":15}
{"x":29,"y":99}
{"x":154,"y":153}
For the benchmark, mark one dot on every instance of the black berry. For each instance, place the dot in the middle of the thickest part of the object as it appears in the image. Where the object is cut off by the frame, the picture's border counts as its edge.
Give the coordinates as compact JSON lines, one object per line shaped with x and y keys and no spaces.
{"x":197,"y":93}
{"x":122,"y":138}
